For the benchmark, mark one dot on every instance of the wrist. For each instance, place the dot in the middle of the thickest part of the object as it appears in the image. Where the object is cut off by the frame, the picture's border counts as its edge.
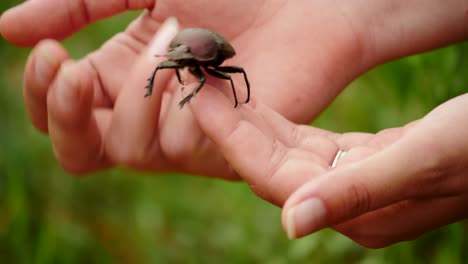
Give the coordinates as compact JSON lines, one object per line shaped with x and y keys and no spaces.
{"x":393,"y":29}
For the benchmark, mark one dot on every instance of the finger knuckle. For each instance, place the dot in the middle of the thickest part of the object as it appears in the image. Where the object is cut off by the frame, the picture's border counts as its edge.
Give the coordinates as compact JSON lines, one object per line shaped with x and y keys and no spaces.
{"x":278,"y":157}
{"x":296,"y":136}
{"x":75,"y":162}
{"x":261,"y":192}
{"x":359,"y":199}
{"x":124,"y":157}
{"x":434,"y":160}
{"x":74,"y":168}
{"x":176,"y":152}
{"x":266,"y":184}
{"x":239,"y":131}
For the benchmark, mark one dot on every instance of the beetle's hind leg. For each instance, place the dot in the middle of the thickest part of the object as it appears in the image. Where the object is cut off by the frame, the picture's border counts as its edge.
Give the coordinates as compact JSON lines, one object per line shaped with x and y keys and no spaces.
{"x":237,"y":69}
{"x":222,"y":75}
{"x":162,"y":65}
{"x":196,"y":71}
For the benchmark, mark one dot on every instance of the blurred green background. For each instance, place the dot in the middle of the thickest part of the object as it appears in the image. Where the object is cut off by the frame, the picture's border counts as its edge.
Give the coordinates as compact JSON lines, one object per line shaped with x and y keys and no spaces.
{"x":48,"y":216}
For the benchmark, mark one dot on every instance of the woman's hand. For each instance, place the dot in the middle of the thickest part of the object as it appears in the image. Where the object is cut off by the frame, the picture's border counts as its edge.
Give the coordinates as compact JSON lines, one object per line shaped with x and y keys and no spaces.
{"x":298,"y":55}
{"x":100,"y":118}
{"x":391,"y":186}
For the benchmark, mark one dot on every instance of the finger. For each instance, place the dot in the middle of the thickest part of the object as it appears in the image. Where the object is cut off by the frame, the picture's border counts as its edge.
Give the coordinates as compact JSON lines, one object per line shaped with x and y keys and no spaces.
{"x":387,"y":177}
{"x":33,"y":20}
{"x":180,"y":133}
{"x":404,"y":221}
{"x":377,"y":141}
{"x":235,"y":136}
{"x":73,"y":128}
{"x":110,"y":64}
{"x":40,"y":71}
{"x":251,"y":148}
{"x":132,"y":139}
{"x":321,"y":142}
{"x":184,"y":143}
{"x":359,"y":146}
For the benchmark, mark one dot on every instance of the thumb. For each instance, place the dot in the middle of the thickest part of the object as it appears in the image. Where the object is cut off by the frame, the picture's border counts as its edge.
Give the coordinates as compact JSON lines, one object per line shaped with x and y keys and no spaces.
{"x":389,"y":176}
{"x":34,"y":20}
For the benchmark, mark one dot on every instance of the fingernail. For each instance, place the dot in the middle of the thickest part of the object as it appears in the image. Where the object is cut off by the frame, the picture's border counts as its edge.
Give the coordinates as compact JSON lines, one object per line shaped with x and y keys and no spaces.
{"x":166,"y":32}
{"x":45,"y":63}
{"x":304,"y":218}
{"x":67,"y":89}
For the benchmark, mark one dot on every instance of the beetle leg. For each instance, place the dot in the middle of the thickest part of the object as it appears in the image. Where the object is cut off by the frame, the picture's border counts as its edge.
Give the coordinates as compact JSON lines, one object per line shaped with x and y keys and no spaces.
{"x":178,"y":76}
{"x":162,"y":65}
{"x":236,"y":69}
{"x":196,"y":71}
{"x":223,"y":75}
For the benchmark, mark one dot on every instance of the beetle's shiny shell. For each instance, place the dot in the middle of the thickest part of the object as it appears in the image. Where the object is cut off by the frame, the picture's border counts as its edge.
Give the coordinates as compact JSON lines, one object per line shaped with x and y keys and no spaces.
{"x":203,"y":44}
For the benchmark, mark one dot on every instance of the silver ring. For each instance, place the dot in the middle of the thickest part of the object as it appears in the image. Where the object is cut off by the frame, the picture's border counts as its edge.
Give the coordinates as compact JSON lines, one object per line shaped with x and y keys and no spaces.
{"x":338,"y":155}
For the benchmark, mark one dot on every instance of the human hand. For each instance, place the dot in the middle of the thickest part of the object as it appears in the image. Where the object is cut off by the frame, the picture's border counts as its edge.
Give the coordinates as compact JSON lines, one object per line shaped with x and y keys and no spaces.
{"x":294,"y":56}
{"x":391,"y":186}
{"x":410,"y":183}
{"x":110,"y":123}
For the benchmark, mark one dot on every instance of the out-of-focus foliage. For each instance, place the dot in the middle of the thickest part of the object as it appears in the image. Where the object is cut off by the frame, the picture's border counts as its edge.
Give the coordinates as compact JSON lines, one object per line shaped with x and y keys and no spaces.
{"x":47,"y":216}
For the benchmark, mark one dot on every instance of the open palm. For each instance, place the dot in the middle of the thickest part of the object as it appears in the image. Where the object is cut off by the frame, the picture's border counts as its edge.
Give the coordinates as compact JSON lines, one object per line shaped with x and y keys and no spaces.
{"x":101,"y":118}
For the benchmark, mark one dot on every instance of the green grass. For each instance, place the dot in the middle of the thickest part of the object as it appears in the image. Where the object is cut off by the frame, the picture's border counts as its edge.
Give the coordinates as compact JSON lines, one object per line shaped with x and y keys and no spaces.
{"x":47,"y":216}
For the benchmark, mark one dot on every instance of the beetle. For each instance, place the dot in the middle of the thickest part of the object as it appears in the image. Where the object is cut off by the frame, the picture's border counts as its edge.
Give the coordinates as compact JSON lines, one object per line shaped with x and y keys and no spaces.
{"x":197,"y":49}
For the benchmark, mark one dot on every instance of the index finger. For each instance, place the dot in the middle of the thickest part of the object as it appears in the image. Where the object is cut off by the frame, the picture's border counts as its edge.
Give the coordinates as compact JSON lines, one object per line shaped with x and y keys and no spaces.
{"x":27,"y":23}
{"x":257,"y":145}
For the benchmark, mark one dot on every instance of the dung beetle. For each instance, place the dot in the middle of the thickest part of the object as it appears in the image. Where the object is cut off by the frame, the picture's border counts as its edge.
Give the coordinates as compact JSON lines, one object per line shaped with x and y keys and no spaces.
{"x":197,"y":48}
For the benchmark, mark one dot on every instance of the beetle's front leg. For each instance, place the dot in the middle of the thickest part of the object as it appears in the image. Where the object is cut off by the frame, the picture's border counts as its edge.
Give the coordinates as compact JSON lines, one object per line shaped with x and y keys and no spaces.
{"x":237,"y":69}
{"x":178,"y":76}
{"x":162,"y":65}
{"x":197,"y":72}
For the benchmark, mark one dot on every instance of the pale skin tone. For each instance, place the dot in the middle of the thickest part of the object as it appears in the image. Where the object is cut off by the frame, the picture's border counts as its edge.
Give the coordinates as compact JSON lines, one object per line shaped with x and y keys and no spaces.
{"x":89,"y":120}
{"x":113,"y":73}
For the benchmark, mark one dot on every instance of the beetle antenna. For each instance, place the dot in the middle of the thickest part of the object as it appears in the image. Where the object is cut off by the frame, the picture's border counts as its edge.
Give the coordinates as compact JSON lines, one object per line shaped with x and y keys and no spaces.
{"x":159,"y":55}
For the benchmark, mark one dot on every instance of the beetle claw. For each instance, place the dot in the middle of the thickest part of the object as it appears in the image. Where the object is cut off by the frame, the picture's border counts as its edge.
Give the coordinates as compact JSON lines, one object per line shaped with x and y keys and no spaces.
{"x":181,"y":104}
{"x":149,"y":88}
{"x":186,"y":100}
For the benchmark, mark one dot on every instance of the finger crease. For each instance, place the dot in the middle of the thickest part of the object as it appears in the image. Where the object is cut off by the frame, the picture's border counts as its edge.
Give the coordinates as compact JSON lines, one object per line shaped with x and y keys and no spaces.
{"x":277,"y":159}
{"x":296,"y":136}
{"x":107,"y":98}
{"x":78,"y":16}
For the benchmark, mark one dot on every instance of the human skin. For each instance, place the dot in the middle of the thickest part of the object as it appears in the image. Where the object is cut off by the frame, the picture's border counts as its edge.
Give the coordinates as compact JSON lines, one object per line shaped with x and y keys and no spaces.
{"x":95,"y":134}
{"x":332,"y":52}
{"x":337,"y":43}
{"x":389,"y":187}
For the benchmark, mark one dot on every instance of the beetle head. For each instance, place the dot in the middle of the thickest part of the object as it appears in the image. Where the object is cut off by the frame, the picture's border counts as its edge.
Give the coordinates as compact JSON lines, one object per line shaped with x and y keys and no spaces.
{"x":180,"y":52}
